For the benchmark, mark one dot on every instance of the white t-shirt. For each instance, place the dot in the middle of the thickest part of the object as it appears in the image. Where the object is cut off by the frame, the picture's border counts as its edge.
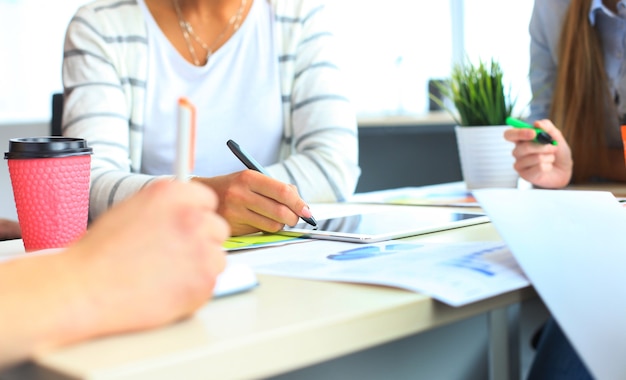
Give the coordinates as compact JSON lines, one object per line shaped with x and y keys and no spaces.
{"x":236,"y":94}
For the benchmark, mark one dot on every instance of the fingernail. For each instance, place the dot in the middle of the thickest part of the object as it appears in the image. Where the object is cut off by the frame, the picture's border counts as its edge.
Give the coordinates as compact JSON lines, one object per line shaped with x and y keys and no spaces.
{"x":306,"y":212}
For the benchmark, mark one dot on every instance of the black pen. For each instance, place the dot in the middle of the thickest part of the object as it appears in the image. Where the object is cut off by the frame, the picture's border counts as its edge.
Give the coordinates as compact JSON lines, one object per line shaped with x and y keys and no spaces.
{"x":252,"y":164}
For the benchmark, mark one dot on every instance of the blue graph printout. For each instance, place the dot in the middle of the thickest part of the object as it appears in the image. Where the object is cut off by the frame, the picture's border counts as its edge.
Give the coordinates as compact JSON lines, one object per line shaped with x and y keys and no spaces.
{"x":454,"y":273}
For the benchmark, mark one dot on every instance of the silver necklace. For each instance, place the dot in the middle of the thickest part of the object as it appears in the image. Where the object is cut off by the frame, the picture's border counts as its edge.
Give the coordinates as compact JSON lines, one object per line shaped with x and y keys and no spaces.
{"x":189,"y":33}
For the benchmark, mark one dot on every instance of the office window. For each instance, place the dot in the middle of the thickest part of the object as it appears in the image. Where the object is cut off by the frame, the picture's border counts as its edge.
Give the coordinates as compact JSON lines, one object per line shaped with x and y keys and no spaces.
{"x":499,"y":29}
{"x":32,"y":46}
{"x":395,"y":48}
{"x":392,"y":48}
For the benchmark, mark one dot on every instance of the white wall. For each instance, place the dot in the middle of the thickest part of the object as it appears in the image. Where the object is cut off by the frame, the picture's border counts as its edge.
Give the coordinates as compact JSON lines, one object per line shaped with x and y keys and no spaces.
{"x":31,"y":38}
{"x":7,"y":204}
{"x":390,"y":51}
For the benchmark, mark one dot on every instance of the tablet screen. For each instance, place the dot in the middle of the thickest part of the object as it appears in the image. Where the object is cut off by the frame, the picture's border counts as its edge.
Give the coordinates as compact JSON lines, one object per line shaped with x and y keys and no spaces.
{"x":378,"y":226}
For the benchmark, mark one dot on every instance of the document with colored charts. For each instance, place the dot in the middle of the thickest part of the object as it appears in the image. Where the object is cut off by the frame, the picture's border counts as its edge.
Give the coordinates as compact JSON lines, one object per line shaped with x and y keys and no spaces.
{"x":258,"y":240}
{"x":447,"y":194}
{"x":453,"y":273}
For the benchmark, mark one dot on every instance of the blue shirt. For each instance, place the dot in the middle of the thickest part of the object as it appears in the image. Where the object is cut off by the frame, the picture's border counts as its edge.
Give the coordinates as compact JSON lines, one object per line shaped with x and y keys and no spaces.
{"x":545,"y":28}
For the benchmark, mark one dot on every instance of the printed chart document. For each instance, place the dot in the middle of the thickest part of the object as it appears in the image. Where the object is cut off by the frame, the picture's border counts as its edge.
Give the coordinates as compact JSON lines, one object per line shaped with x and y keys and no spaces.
{"x":571,"y":246}
{"x":456,"y":274}
{"x":258,"y":240}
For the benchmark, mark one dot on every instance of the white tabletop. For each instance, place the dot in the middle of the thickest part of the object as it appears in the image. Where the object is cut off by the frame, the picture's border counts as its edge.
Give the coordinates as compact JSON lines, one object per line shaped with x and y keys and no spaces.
{"x":282,"y":325}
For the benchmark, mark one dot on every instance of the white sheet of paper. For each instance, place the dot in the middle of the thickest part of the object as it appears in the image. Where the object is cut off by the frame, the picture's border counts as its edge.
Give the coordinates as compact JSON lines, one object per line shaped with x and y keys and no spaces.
{"x":236,"y":278}
{"x":571,"y":246}
{"x":456,"y":274}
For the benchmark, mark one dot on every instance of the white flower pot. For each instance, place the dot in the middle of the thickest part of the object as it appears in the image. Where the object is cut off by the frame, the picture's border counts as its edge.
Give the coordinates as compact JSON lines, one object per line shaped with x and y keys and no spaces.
{"x":486,"y":157}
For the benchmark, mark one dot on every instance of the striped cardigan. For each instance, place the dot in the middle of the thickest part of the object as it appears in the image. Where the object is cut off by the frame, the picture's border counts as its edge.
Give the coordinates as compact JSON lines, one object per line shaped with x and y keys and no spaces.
{"x":104,"y":76}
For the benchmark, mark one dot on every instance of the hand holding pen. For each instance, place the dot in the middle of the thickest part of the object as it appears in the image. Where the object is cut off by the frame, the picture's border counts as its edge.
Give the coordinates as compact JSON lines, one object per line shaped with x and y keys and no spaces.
{"x":250,"y":202}
{"x":543,"y":161}
{"x":541,"y":136}
{"x":252,"y":164}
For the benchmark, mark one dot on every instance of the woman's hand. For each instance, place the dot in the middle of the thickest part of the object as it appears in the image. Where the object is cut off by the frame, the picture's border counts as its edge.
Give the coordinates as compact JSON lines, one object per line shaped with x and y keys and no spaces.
{"x":252,"y":202}
{"x":543,"y":165}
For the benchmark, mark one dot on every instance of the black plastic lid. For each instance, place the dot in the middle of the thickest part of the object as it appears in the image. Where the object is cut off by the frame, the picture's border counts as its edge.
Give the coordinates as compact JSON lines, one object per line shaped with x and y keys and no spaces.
{"x":46,"y":147}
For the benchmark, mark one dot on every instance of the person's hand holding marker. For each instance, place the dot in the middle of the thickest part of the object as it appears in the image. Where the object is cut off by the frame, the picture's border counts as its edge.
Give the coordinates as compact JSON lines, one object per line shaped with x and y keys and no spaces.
{"x":542,"y":156}
{"x":541,"y":136}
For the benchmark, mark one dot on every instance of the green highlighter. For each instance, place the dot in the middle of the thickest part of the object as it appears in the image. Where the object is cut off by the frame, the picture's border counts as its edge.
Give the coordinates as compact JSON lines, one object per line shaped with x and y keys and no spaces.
{"x":541,"y":137}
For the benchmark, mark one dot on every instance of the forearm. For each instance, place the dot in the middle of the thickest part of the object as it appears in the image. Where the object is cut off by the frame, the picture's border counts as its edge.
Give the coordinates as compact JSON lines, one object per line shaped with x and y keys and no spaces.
{"x":111,"y":187}
{"x":323,"y":160}
{"x":319,"y":153}
{"x":99,"y":108}
{"x":322,"y":174}
{"x":41,"y":307}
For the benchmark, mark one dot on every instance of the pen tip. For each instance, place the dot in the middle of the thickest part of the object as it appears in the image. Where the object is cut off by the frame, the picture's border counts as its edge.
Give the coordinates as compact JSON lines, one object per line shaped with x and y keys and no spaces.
{"x":310,"y":221}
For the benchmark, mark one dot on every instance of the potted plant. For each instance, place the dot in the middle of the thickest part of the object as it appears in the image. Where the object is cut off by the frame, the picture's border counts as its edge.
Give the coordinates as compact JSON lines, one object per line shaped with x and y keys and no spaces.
{"x":480,"y":106}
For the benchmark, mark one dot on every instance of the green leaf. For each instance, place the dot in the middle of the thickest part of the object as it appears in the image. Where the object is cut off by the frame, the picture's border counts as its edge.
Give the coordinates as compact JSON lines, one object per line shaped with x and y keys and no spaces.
{"x":478,"y":94}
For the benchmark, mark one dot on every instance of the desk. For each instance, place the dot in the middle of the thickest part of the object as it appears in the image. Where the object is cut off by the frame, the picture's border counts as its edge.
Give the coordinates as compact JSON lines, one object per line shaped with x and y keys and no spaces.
{"x":271,"y":330}
{"x":618,"y":189}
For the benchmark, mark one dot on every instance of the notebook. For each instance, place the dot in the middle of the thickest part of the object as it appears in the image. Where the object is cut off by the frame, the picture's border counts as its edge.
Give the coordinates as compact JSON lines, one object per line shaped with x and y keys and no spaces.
{"x":236,"y":278}
{"x":572,"y":247}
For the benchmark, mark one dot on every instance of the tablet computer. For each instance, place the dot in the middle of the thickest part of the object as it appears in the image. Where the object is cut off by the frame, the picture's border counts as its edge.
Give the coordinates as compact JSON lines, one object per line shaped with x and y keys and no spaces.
{"x":385,"y":225}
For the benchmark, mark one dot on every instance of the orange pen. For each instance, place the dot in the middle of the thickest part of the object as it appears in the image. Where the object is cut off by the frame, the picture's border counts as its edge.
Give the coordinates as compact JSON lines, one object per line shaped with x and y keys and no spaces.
{"x":185,"y":139}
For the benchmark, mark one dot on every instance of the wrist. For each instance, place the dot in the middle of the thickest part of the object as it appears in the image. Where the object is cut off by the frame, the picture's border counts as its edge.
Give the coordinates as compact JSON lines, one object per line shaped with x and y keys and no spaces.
{"x":95,"y":311}
{"x":45,"y":310}
{"x":77,"y":317}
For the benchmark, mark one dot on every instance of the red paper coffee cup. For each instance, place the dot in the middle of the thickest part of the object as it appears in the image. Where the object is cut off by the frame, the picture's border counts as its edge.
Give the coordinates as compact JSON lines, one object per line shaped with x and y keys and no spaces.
{"x":50,"y":177}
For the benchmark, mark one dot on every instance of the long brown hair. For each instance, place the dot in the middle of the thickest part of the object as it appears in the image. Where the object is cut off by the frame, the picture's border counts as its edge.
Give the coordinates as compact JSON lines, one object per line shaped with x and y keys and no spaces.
{"x":581,"y":105}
